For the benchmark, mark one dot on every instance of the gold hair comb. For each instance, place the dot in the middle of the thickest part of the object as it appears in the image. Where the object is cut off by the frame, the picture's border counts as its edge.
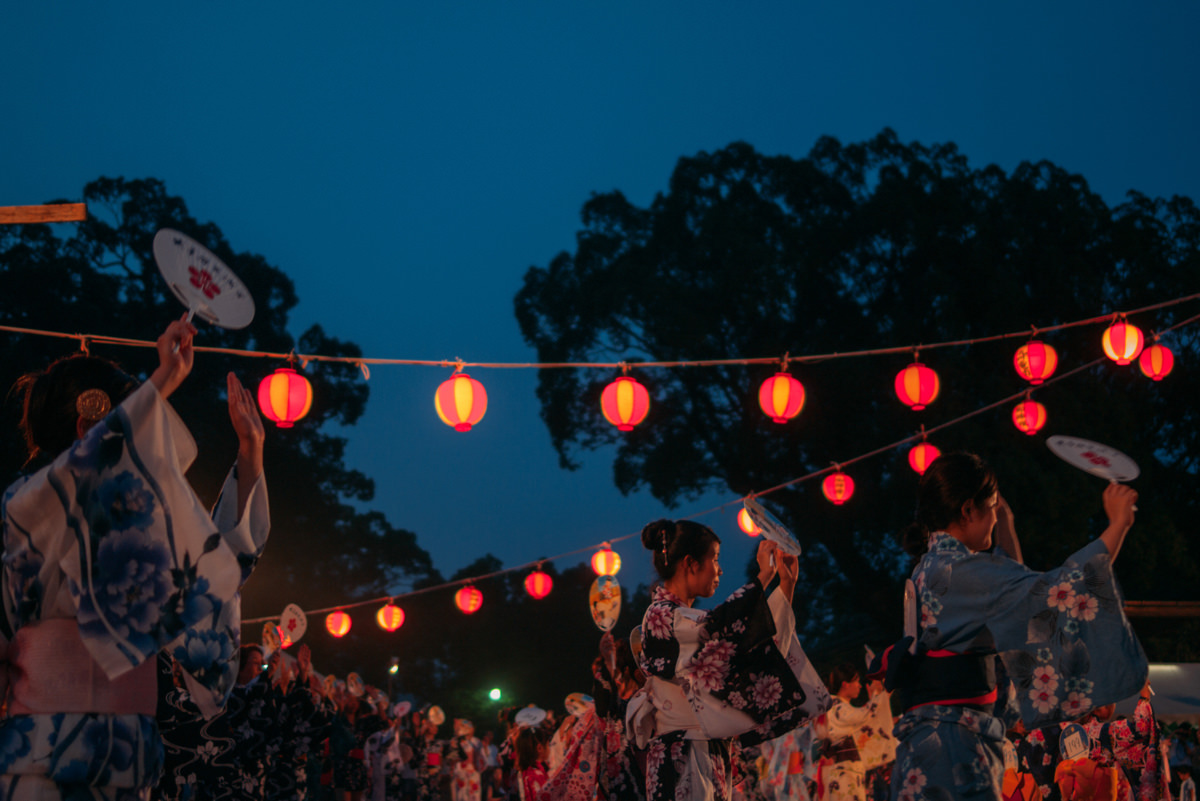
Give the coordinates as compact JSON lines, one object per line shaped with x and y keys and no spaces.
{"x":93,"y":404}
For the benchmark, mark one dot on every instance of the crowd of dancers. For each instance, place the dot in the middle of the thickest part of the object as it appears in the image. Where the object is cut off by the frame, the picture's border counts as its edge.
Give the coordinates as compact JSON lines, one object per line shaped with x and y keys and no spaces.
{"x":111,"y":566}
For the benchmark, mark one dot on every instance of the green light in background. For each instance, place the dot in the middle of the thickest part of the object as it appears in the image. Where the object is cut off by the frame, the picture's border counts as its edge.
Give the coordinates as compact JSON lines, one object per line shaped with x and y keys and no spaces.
{"x":494,"y":694}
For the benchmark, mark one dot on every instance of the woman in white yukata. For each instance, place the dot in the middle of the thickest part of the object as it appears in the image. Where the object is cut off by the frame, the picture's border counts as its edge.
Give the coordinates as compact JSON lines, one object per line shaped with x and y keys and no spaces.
{"x":109,"y":558}
{"x":1062,"y":636}
{"x":733,"y":672}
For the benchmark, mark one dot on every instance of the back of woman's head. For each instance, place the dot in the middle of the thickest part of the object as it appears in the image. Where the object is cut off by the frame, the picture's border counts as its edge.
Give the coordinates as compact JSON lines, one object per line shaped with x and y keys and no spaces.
{"x":670,"y":541}
{"x":527,"y":744}
{"x":842,"y":674}
{"x":952,"y":480}
{"x":50,"y":396}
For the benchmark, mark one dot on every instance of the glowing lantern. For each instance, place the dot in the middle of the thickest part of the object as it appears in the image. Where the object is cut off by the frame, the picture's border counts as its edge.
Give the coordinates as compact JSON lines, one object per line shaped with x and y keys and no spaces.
{"x":1029,"y":416}
{"x":390,"y":617}
{"x":468,"y":599}
{"x":1122,"y":342}
{"x":746,"y":523}
{"x":460,"y":401}
{"x":838,"y":487}
{"x":538,"y":584}
{"x":284,"y":396}
{"x":606,"y":562}
{"x":781,"y":397}
{"x":625,"y":403}
{"x":1035,"y":361}
{"x":917,"y":386}
{"x":920,"y":457}
{"x":1156,"y":361}
{"x":337,"y":623}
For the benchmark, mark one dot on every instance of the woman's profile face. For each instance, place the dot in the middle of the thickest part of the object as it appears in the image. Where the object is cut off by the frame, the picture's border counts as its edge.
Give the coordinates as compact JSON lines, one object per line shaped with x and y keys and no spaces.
{"x":707,"y":573}
{"x":978,"y":524}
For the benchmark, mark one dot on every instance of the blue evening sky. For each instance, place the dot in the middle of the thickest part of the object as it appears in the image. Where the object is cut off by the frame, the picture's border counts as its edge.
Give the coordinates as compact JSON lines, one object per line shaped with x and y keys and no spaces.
{"x":405,"y":163}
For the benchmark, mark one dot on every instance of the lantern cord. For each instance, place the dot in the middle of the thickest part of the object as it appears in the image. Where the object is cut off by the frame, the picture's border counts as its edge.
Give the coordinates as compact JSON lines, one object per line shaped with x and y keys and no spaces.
{"x":460,"y":365}
{"x":921,"y":435}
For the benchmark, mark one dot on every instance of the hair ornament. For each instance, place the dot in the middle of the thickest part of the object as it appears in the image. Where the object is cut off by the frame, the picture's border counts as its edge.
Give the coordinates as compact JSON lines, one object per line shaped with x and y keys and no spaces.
{"x":93,"y":404}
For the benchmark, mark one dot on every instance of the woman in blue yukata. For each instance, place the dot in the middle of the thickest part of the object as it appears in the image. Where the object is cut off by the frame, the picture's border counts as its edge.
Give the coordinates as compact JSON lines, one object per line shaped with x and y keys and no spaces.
{"x":1064,"y":643}
{"x":109,"y":558}
{"x":733,"y":673}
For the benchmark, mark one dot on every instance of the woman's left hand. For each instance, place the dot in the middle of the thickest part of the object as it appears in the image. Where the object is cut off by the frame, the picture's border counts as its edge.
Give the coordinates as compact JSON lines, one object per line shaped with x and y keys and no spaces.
{"x":247,"y":423}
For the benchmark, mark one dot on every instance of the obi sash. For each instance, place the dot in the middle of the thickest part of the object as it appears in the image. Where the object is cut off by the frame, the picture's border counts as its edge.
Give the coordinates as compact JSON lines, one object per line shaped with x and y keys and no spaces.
{"x":47,"y":669}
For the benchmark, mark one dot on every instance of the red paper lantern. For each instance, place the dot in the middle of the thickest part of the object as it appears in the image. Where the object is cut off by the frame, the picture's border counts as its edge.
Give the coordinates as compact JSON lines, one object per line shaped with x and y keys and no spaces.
{"x":337,"y":623}
{"x":460,"y":401}
{"x":917,"y":386}
{"x":538,"y":584}
{"x":1156,"y":361}
{"x":606,"y":562}
{"x":838,"y":487}
{"x":1029,"y":416}
{"x":625,"y":403}
{"x":468,"y":599}
{"x":781,"y":397}
{"x":1035,"y":361}
{"x":746,"y":523}
{"x":390,"y":617}
{"x":920,"y":457}
{"x":284,"y":397}
{"x":1122,"y":342}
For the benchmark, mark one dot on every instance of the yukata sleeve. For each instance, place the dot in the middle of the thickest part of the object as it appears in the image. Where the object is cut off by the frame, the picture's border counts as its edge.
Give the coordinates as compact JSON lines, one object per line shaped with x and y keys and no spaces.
{"x":149,"y":563}
{"x":1063,"y":635}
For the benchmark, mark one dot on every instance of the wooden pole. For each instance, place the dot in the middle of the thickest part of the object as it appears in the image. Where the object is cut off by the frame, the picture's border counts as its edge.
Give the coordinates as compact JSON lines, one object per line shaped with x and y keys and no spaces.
{"x":54,"y":212}
{"x":1162,"y":608}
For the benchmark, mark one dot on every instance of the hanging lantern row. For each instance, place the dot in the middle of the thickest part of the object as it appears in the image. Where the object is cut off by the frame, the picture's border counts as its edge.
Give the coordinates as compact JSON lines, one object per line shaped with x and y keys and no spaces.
{"x":286,"y":396}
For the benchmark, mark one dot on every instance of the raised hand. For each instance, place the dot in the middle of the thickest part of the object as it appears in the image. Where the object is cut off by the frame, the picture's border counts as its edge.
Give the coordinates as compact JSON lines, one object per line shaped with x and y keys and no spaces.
{"x":766,"y":562}
{"x":175,"y":356}
{"x":789,"y":572}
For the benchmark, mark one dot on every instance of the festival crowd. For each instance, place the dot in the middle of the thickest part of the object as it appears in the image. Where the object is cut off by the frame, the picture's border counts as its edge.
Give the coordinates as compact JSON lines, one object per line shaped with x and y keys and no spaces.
{"x":123,"y":678}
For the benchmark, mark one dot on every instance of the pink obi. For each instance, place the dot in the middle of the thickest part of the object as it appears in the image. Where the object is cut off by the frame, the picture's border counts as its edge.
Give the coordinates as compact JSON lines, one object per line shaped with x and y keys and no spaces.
{"x":48,"y":669}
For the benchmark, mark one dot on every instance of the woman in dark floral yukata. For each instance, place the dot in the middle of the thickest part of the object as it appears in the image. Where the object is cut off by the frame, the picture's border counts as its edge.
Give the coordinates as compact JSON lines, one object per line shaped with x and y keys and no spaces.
{"x":733,"y":674}
{"x":109,"y":558}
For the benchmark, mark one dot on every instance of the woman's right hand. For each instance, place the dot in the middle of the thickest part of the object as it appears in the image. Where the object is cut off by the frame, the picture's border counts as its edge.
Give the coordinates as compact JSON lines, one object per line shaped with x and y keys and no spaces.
{"x":766,"y":564}
{"x":1119,"y":504}
{"x":175,"y":356}
{"x":789,"y":572}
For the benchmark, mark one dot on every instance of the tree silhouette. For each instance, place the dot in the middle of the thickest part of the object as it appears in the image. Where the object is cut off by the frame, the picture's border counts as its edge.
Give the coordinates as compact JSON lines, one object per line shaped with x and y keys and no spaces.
{"x":863,"y":246}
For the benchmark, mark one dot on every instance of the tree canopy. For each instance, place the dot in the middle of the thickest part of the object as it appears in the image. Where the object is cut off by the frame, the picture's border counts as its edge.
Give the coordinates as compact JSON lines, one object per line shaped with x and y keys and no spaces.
{"x":865,"y":246}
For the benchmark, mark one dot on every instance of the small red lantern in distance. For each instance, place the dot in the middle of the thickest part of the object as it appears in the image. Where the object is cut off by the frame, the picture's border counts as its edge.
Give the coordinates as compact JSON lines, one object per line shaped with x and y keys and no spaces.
{"x":920,"y":457}
{"x":781,"y":397}
{"x":625,"y":403}
{"x":917,"y":386}
{"x":1035,"y":361}
{"x":1029,"y":416}
{"x":838,"y":487}
{"x":461,"y":401}
{"x":337,"y":623}
{"x":746,"y":523}
{"x":606,"y":562}
{"x":1122,"y":342}
{"x":390,"y":617}
{"x":284,"y":397}
{"x":468,"y":599}
{"x":1156,"y":361}
{"x":538,"y":584}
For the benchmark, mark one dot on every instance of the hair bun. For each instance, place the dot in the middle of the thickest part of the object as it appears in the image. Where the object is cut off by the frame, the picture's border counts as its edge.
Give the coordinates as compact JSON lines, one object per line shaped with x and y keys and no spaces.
{"x":654,"y":535}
